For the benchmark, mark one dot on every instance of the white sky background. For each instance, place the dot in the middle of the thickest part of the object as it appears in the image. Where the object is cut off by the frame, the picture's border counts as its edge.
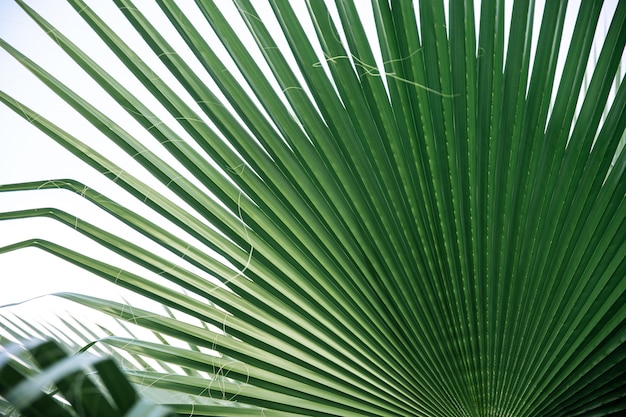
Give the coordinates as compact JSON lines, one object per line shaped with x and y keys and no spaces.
{"x":32,"y":156}
{"x":28,"y":155}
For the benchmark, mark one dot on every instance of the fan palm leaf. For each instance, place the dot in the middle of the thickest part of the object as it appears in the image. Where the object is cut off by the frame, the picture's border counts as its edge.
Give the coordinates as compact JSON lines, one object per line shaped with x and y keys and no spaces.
{"x":428,"y":221}
{"x":111,"y":394}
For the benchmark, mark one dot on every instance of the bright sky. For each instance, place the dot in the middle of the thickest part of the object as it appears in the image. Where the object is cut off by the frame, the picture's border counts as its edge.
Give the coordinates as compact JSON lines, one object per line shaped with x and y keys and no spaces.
{"x":27,"y":155}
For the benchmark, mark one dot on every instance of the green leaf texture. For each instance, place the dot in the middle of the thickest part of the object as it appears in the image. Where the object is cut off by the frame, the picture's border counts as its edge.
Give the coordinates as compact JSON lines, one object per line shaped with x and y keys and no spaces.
{"x":385,"y":209}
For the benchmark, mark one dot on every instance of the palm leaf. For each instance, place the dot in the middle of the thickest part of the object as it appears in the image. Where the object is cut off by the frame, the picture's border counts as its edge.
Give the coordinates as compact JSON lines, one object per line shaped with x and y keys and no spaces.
{"x":74,"y":392}
{"x":428,"y":222}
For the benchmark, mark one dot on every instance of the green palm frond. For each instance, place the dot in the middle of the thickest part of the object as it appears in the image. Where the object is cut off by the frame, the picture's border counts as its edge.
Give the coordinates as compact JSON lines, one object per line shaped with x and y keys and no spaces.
{"x":429,"y":221}
{"x":39,"y":379}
